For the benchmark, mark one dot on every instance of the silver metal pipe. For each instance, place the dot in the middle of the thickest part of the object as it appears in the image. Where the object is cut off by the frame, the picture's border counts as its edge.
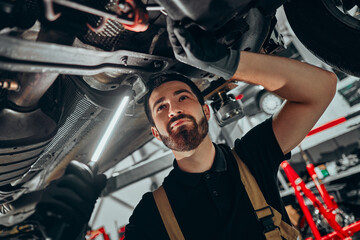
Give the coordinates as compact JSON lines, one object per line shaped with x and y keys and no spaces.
{"x":33,"y":87}
{"x":154,"y":8}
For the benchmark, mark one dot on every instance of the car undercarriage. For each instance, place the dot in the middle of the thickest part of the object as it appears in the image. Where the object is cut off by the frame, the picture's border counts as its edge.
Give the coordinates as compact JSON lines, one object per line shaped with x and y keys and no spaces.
{"x":65,"y":65}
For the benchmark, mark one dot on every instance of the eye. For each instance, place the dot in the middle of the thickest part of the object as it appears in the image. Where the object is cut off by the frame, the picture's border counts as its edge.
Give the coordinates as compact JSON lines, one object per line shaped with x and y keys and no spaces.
{"x":183,"y":98}
{"x":161,"y":107}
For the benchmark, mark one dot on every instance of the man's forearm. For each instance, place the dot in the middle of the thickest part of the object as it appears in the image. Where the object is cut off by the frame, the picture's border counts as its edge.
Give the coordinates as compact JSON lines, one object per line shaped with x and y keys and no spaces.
{"x":307,"y":89}
{"x":290,"y":79}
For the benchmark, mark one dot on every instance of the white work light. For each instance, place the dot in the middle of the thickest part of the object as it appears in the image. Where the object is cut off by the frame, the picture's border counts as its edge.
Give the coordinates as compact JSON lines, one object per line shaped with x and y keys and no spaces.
{"x":105,"y":138}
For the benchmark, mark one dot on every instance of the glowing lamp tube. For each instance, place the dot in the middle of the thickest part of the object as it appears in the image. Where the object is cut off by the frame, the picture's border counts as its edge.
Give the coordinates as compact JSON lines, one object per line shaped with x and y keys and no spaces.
{"x":105,"y":138}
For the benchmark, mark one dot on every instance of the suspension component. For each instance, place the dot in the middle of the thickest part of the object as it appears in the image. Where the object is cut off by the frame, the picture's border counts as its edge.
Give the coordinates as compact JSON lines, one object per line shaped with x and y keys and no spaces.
{"x":131,"y":14}
{"x":135,"y":11}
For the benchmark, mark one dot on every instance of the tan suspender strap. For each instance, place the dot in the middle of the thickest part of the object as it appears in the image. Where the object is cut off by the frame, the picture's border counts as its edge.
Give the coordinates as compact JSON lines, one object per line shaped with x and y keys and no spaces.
{"x":167,"y":214}
{"x":261,"y":207}
{"x":256,"y":197}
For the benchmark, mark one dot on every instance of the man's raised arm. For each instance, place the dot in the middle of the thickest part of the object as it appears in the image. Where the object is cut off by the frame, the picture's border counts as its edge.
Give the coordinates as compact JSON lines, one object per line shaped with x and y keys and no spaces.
{"x":307,"y":89}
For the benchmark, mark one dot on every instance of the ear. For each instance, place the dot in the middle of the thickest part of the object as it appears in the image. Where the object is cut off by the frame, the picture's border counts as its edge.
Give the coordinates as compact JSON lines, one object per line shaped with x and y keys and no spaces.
{"x":155,"y":133}
{"x":207,"y":112}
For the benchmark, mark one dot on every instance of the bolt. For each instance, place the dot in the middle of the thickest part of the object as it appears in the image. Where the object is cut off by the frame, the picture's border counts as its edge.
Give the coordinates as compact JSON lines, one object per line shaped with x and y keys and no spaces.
{"x":124,"y":60}
{"x":125,"y":8}
{"x":10,"y":85}
{"x":157,"y":64}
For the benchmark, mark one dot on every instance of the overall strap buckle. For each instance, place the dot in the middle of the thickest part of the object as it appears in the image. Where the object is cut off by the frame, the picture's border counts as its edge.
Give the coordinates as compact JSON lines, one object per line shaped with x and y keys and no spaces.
{"x":265,"y":216}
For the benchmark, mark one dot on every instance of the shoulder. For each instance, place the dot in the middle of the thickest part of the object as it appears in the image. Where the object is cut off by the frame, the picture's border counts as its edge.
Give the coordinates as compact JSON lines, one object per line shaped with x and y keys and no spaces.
{"x":144,"y":208}
{"x":259,"y":133}
{"x":145,"y":221}
{"x":259,"y":148}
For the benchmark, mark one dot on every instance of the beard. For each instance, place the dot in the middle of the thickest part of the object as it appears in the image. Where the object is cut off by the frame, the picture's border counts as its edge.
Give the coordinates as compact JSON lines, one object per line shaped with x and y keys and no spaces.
{"x":187,"y":136}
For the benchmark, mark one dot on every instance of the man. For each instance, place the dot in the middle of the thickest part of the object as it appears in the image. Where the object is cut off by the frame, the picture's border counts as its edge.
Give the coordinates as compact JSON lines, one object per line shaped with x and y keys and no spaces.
{"x":204,"y":188}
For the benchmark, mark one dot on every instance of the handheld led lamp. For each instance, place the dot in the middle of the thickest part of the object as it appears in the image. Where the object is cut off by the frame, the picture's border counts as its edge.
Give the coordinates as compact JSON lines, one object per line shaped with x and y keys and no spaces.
{"x":109,"y":130}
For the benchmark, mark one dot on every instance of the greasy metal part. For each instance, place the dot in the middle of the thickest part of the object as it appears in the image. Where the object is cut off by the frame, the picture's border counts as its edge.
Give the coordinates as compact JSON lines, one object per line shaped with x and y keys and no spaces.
{"x":138,"y":13}
{"x":137,"y":17}
{"x":33,"y":87}
{"x":5,"y":208}
{"x":275,"y":44}
{"x":23,"y":136}
{"x":227,"y":109}
{"x":27,"y":56}
{"x":220,"y":85}
{"x":16,"y":158}
{"x":99,"y":28}
{"x":208,"y":14}
{"x":10,"y":85}
{"x":164,"y":12}
{"x":150,"y":8}
{"x":155,"y":40}
{"x":66,"y":69}
{"x":90,"y":10}
{"x":222,"y":95}
{"x":24,"y":126}
{"x":139,"y":88}
{"x":84,"y":118}
{"x":124,"y":7}
{"x":10,"y":196}
{"x":259,"y":27}
{"x":104,"y":99}
{"x":16,"y":165}
{"x":74,"y":139}
{"x":49,"y":35}
{"x":110,"y":82}
{"x":49,"y":11}
{"x":19,"y":211}
{"x":103,"y":81}
{"x":137,"y":173}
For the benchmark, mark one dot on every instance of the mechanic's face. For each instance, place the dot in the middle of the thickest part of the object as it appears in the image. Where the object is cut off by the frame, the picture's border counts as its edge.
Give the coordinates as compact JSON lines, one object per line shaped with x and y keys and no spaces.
{"x":181,"y":123}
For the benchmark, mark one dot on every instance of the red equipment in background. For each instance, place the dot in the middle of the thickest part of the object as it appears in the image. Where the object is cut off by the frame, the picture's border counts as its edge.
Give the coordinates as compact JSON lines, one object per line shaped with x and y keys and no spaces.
{"x":329,"y":212}
{"x":329,"y":209}
{"x":333,"y":123}
{"x":121,"y":233}
{"x":98,"y":234}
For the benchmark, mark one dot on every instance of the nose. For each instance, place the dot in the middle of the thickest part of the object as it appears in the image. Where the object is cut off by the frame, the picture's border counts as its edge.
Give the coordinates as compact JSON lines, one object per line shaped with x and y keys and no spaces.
{"x":174,"y":110}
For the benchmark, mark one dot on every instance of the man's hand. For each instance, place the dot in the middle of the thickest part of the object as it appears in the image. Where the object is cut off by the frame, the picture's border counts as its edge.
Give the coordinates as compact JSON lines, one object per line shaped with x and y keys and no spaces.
{"x":68,"y":202}
{"x":201,"y":50}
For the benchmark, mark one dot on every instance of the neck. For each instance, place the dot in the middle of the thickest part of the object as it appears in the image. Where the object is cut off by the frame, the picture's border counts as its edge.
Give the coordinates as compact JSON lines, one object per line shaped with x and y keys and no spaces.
{"x":198,"y":160}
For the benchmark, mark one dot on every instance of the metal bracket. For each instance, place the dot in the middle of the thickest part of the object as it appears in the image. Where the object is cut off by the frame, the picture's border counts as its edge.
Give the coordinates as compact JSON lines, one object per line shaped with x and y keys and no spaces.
{"x":28,"y":56}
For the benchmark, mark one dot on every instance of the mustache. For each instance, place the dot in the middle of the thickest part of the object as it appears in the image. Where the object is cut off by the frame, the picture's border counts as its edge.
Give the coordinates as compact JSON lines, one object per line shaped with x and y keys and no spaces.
{"x":178,"y":117}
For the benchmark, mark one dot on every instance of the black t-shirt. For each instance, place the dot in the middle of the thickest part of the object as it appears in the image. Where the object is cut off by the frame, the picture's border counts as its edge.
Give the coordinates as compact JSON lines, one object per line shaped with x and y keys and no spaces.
{"x":214,"y":204}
